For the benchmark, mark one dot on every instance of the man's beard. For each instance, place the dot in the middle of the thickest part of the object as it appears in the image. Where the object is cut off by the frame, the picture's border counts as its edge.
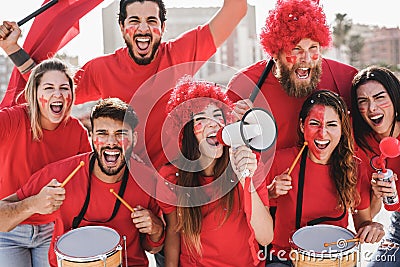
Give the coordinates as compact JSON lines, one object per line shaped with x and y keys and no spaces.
{"x":298,"y":89}
{"x":111,"y":172}
{"x":140,"y":60}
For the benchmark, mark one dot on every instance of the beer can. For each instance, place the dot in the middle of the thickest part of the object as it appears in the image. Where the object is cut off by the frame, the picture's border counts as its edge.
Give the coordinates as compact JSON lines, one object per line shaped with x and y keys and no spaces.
{"x":392,"y":199}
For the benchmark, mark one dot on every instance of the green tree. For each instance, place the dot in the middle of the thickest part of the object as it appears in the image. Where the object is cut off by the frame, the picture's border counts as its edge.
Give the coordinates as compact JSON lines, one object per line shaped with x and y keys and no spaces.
{"x":355,"y":45}
{"x":341,"y":28}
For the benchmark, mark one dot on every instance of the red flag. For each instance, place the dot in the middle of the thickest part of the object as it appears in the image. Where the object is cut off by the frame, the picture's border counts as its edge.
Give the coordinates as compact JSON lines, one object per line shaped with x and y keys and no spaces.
{"x":50,"y":31}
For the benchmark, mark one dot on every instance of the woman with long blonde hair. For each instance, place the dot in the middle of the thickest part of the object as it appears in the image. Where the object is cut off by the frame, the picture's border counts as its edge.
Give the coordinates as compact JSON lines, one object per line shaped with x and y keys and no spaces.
{"x":33,"y":135}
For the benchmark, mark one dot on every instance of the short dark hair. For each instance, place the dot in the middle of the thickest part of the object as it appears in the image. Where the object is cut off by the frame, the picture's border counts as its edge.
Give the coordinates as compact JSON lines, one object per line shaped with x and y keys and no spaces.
{"x":114,"y":108}
{"x":123,"y":3}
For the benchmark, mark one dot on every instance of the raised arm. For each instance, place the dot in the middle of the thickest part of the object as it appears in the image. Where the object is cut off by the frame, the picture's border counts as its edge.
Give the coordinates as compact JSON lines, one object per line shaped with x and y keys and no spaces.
{"x":226,"y":19}
{"x":9,"y":34}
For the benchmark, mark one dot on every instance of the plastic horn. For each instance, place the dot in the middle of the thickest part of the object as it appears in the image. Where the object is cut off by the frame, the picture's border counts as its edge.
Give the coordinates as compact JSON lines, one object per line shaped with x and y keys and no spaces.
{"x":297,"y":158}
{"x":346,"y":240}
{"x":72,"y":173}
{"x":123,"y":201}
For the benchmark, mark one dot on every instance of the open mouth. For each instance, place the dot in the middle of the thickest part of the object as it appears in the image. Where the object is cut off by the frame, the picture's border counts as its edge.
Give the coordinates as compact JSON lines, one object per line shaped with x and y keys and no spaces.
{"x":111,"y":157}
{"x":56,"y":107}
{"x":143,"y":44}
{"x":302,"y":73}
{"x":376,"y":119}
{"x":212,"y":139}
{"x":321,"y":144}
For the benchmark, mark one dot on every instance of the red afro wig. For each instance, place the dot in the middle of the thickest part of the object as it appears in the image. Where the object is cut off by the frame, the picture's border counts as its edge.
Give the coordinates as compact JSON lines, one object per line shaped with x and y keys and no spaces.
{"x":290,"y":22}
{"x":191,"y":96}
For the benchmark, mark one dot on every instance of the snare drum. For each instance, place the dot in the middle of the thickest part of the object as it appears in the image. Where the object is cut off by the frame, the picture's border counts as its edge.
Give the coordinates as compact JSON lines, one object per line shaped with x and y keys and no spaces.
{"x":308,"y":247}
{"x":89,"y":246}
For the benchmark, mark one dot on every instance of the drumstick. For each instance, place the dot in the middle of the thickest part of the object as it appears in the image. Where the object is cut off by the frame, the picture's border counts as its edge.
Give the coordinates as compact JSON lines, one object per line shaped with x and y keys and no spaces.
{"x":123,"y":201}
{"x":341,"y":241}
{"x":72,"y":173}
{"x":297,"y":158}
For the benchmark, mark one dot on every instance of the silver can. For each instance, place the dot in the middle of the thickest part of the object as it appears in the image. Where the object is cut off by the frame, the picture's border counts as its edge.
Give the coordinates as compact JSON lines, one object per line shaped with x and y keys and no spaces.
{"x":387,"y":176}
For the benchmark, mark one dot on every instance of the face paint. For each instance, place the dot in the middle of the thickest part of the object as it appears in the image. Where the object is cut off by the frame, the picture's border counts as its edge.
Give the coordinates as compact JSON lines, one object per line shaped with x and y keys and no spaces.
{"x":124,"y":143}
{"x":315,"y":56}
{"x":198,"y":127}
{"x":291,"y":59}
{"x":43,"y":101}
{"x":98,"y":143}
{"x":312,"y":132}
{"x":376,"y":107}
{"x":322,"y":131}
{"x":68,"y":99}
{"x":130,"y":30}
{"x":156,"y":31}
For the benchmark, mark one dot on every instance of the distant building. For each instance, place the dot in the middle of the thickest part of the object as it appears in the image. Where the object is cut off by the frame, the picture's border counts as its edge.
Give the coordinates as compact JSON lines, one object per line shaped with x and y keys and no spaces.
{"x":381,"y":47}
{"x":241,"y":49}
{"x":6,"y":67}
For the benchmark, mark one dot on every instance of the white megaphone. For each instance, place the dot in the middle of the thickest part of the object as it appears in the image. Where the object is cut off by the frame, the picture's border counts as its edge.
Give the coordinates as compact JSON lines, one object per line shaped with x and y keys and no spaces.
{"x":257,"y":130}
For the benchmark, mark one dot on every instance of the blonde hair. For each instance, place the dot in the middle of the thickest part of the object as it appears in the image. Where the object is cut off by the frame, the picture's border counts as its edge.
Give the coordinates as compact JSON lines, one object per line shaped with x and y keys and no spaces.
{"x":31,"y":88}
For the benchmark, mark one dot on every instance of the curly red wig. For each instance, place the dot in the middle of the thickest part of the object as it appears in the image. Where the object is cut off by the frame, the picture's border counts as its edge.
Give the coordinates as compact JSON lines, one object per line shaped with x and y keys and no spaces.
{"x":191,"y":96}
{"x":290,"y":22}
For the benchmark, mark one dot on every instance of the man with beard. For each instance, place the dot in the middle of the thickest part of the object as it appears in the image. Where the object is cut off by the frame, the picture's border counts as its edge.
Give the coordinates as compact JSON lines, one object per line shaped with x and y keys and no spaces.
{"x":86,"y":199}
{"x":142,"y":24}
{"x":294,"y":35}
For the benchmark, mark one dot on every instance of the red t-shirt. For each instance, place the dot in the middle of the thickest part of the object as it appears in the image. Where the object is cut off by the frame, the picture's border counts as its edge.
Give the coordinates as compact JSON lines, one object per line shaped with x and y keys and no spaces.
{"x":319,"y":197}
{"x":21,"y":156}
{"x":222,"y":245}
{"x":336,"y":77}
{"x":117,"y":75}
{"x":101,"y":203}
{"x":391,"y":163}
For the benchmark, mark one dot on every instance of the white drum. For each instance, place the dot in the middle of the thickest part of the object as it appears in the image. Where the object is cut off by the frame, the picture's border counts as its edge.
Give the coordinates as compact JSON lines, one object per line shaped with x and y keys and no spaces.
{"x":89,"y":246}
{"x":308,"y":247}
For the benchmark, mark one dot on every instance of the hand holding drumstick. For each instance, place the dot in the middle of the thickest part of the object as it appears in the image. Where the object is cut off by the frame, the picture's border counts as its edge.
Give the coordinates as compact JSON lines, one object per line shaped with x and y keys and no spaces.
{"x":144,"y":220}
{"x":283,"y":182}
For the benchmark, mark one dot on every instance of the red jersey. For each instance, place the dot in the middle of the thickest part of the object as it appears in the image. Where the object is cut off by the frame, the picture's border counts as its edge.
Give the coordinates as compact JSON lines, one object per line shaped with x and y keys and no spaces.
{"x":101,"y":203}
{"x":336,"y":77}
{"x":222,"y":244}
{"x":117,"y":75}
{"x":21,"y":156}
{"x":320,"y":197}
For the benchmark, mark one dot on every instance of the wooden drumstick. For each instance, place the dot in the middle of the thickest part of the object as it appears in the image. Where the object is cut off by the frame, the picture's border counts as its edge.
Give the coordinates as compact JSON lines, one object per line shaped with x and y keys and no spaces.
{"x":297,"y":158}
{"x":123,"y":201}
{"x":72,"y":173}
{"x":343,"y":240}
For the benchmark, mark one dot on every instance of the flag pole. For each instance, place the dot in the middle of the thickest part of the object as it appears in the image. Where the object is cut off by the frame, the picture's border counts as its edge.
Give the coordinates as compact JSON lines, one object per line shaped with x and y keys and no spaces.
{"x":37,"y":12}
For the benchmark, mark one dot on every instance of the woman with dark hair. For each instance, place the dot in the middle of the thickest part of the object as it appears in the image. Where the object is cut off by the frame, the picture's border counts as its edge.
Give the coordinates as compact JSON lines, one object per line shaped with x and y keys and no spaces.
{"x":327,"y":171}
{"x":375,"y":96}
{"x":206,"y":216}
{"x":33,"y":135}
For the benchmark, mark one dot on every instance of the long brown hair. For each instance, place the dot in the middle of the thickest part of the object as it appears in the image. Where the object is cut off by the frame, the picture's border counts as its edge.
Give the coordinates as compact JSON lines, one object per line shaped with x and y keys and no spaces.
{"x":190,"y":218}
{"x":343,"y":168}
